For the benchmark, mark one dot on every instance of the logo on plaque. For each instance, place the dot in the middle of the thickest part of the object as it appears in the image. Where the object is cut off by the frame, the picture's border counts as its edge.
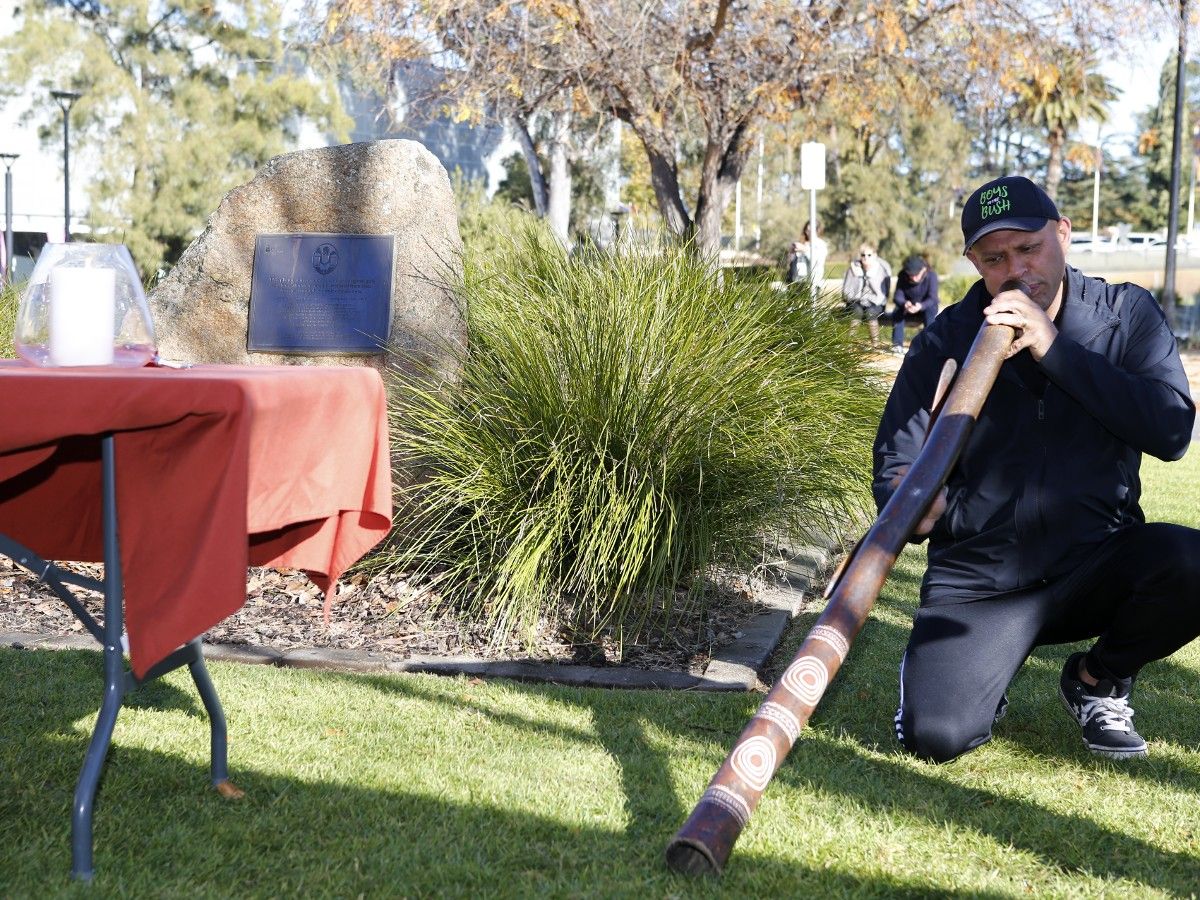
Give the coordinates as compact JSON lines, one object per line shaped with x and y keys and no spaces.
{"x":325,"y":258}
{"x":321,"y":293}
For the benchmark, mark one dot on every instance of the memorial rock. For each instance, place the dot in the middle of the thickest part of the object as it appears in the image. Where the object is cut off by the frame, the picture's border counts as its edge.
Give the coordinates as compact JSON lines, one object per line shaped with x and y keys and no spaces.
{"x":392,"y":187}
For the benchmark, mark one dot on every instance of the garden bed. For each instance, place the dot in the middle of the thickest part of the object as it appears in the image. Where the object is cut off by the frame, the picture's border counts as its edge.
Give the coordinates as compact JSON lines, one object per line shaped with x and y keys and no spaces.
{"x":395,"y":620}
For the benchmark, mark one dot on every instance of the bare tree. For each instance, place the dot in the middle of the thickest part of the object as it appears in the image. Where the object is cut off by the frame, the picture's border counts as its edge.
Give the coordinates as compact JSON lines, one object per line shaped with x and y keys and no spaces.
{"x":712,"y":70}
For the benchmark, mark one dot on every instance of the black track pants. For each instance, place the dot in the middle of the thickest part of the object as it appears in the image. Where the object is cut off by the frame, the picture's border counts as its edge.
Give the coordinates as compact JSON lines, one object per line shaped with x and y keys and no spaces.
{"x":1138,"y":593}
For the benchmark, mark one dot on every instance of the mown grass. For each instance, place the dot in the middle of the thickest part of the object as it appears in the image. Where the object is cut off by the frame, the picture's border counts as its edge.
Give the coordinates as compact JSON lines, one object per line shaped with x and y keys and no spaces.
{"x":418,"y":786}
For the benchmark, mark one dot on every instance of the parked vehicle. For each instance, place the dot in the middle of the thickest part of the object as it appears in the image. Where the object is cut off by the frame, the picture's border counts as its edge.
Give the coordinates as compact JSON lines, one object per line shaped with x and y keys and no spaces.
{"x":26,"y":247}
{"x":1141,"y":241}
{"x":1082,"y":243}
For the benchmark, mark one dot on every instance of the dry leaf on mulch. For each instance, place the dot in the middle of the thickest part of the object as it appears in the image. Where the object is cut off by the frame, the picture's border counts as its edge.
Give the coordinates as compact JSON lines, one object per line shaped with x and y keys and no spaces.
{"x":393,"y":618}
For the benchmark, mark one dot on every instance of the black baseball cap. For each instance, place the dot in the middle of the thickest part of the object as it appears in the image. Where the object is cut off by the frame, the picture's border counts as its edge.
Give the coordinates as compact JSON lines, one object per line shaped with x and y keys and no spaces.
{"x":913,"y":265}
{"x":1012,"y":202}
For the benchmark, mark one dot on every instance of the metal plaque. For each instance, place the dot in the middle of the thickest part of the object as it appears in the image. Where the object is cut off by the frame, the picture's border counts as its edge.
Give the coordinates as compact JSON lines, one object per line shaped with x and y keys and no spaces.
{"x":321,"y":293}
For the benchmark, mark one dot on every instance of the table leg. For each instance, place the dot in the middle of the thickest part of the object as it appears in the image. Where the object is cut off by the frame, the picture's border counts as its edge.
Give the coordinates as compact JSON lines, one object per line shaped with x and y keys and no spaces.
{"x":114,"y":675}
{"x":89,"y":780}
{"x":219,"y":769}
{"x":117,"y":681}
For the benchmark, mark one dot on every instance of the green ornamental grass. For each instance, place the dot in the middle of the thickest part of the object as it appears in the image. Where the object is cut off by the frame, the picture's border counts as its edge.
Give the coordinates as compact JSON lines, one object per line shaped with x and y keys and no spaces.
{"x":10,"y":298}
{"x":622,"y":423}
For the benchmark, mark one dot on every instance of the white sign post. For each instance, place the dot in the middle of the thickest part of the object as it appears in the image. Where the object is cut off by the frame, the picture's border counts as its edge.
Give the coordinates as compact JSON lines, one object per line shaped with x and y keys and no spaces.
{"x":812,"y":179}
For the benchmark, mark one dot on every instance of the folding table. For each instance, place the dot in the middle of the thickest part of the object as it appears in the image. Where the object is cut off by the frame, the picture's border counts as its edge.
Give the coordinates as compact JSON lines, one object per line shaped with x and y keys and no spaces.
{"x":177,"y":480}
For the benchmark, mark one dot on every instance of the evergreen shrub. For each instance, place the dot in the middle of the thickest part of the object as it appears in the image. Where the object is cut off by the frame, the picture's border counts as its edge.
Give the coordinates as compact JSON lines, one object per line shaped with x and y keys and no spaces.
{"x":621,"y":424}
{"x":10,"y":298}
{"x":953,"y":288}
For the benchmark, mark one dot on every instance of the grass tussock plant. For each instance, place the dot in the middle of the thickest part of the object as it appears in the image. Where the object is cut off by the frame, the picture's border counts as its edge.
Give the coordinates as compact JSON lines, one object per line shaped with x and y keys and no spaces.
{"x":621,"y":424}
{"x":10,"y":299}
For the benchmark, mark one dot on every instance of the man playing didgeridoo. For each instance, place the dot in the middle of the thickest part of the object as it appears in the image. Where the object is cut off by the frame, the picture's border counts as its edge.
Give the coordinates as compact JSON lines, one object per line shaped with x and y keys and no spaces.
{"x":1037,"y":537}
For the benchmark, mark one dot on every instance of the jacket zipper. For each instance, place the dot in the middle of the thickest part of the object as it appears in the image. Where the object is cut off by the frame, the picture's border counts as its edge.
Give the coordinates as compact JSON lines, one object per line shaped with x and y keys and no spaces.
{"x":1035,"y":527}
{"x":1083,"y":342}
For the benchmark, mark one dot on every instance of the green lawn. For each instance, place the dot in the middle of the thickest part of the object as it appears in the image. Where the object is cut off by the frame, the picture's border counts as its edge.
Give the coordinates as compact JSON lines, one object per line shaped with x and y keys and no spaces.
{"x":420,"y":786}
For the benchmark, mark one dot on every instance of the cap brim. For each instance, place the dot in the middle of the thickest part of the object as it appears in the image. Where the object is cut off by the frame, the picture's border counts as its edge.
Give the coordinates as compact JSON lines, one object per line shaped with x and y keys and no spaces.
{"x":1017,"y":223}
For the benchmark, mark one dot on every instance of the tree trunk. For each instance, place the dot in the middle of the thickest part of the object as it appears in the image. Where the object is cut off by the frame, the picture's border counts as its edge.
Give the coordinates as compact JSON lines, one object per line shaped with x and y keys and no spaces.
{"x":716,"y":190}
{"x":835,"y":154}
{"x":664,"y":178}
{"x":612,"y":172}
{"x":541,"y":199}
{"x":724,"y":160}
{"x":1054,"y":165}
{"x":560,"y":179}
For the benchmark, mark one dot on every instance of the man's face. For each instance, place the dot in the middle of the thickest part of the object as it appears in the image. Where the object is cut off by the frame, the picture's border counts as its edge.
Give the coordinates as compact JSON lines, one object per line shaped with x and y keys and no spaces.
{"x":1038,"y":258}
{"x":916,"y":279}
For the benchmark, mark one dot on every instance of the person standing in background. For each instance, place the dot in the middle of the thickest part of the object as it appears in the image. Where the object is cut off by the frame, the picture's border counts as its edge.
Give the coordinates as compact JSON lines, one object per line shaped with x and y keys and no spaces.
{"x":806,"y":259}
{"x":865,"y":289}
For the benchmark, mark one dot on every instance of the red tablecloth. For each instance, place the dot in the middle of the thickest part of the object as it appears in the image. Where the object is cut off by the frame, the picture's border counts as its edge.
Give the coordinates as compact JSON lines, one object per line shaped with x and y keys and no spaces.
{"x":218,"y":467}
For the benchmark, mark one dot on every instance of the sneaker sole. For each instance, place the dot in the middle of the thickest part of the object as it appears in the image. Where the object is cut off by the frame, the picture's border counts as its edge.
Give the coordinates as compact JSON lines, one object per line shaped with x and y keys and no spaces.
{"x":1117,"y":754}
{"x":1131,"y":753}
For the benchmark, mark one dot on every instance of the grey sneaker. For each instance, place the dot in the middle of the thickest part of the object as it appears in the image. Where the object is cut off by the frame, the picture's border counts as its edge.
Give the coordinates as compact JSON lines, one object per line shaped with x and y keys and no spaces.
{"x":1103,"y":711}
{"x":1001,"y":708}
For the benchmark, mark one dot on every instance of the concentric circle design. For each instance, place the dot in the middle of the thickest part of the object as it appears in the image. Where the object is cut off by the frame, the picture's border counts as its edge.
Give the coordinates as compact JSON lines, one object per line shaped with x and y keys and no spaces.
{"x":806,"y":679}
{"x":753,"y":761}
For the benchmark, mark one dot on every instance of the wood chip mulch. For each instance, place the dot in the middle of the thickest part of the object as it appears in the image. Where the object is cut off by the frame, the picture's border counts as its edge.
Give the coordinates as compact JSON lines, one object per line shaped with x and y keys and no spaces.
{"x":396,"y":619}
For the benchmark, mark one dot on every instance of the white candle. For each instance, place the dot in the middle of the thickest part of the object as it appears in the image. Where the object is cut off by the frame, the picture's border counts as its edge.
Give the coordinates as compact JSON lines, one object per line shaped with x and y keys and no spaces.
{"x":81,"y":316}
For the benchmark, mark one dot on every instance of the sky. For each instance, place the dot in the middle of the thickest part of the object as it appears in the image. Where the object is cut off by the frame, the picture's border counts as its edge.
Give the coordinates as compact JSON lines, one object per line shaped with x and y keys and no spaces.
{"x":1137,"y":75}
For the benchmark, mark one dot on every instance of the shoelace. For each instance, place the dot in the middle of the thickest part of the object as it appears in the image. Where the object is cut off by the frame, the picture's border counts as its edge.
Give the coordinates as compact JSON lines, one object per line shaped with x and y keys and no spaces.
{"x":1114,"y":713}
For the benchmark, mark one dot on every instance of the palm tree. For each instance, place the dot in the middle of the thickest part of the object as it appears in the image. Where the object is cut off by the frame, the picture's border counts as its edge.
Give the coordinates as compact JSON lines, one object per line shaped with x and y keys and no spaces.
{"x":1059,"y":97}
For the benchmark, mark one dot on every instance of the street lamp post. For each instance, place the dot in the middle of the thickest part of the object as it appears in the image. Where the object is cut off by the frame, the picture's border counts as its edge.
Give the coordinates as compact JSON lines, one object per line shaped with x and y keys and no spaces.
{"x":65,"y":100}
{"x":1168,"y":293}
{"x":1192,"y":182}
{"x":1101,"y":142}
{"x":9,"y":159}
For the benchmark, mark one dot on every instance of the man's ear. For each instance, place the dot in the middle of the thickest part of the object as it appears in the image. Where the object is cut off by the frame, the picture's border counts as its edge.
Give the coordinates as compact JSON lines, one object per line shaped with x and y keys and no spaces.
{"x":970,"y":254}
{"x":1063,"y":230}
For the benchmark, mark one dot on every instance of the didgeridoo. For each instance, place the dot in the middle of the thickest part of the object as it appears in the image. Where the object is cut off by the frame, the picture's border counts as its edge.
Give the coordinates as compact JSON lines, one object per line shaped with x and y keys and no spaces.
{"x":703,"y":844}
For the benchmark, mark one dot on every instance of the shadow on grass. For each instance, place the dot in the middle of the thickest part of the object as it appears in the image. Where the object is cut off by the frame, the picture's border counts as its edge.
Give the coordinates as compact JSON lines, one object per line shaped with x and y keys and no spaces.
{"x":1068,"y":843}
{"x":1063,"y":842}
{"x":869,"y":684}
{"x":161,"y":832}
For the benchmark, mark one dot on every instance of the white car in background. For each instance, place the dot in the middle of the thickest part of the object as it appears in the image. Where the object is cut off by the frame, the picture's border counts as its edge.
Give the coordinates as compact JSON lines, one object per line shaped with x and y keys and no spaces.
{"x":1082,"y":243}
{"x":1146,"y":241}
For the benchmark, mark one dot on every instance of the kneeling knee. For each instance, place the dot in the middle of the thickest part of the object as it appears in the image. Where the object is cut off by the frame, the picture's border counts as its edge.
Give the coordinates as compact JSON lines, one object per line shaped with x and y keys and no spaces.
{"x":937,"y":740}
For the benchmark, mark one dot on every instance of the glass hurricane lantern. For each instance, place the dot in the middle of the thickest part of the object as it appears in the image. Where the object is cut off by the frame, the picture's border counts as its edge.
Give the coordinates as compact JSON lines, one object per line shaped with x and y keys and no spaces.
{"x":84,"y":306}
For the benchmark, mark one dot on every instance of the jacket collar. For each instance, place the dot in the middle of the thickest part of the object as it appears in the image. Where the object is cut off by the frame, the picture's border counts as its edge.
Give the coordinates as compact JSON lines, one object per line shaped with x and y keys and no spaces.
{"x":1084,"y":308}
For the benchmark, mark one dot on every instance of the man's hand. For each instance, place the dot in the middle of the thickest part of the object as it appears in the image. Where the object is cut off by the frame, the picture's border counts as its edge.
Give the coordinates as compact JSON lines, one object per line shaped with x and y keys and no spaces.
{"x":1033,"y":326}
{"x":911,"y":308}
{"x":936,"y":508}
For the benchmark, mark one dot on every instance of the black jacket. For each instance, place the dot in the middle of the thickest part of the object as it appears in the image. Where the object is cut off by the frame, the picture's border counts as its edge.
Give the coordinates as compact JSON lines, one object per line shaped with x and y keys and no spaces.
{"x":1051,"y":467}
{"x":923,"y":292}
